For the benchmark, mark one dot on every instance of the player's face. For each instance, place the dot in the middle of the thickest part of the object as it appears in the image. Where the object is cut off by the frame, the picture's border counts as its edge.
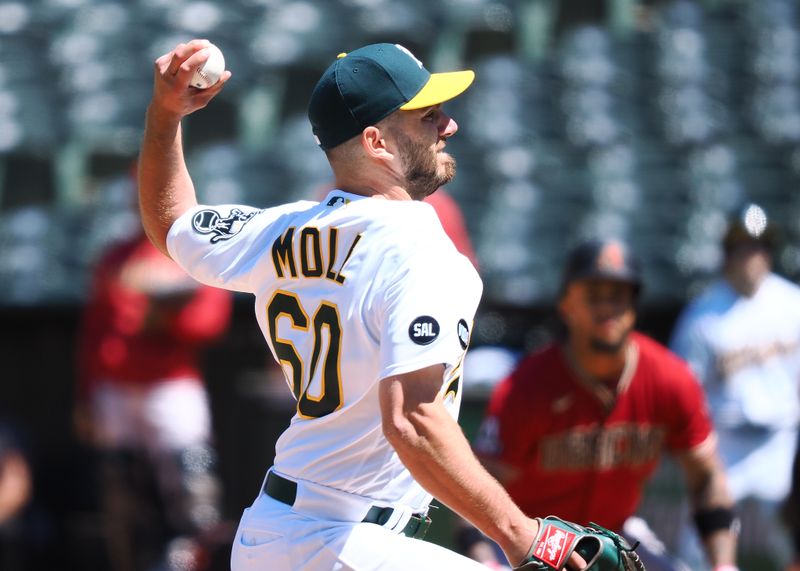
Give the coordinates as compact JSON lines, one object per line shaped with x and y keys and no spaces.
{"x":747,"y":265}
{"x":420,"y":137}
{"x":600,"y":312}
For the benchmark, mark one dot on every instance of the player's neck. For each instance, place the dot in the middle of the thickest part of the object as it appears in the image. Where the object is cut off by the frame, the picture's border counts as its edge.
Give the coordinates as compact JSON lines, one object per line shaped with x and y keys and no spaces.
{"x":602,"y":365}
{"x":394,"y":192}
{"x":374,"y":183}
{"x":743,"y":284}
{"x":603,"y":378}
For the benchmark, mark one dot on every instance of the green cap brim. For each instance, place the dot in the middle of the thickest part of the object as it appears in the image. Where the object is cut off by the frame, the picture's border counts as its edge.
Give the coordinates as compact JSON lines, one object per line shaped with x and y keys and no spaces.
{"x":440,"y":88}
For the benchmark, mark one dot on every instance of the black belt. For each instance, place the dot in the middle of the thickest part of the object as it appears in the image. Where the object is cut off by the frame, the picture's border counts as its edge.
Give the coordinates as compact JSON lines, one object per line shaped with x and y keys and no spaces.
{"x":279,"y":488}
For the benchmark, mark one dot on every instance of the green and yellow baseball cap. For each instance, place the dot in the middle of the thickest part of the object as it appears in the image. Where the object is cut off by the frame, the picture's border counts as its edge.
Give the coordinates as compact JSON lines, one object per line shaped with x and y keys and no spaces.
{"x":366,"y":85}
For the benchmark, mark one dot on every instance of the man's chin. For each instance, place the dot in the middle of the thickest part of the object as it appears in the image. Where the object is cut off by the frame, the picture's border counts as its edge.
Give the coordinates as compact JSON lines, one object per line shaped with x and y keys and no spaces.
{"x":608,"y":345}
{"x":447,"y":171}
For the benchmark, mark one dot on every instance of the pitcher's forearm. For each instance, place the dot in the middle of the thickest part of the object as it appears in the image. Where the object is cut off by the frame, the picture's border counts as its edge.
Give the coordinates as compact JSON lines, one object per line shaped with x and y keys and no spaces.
{"x":165,"y":187}
{"x":466,"y":488}
{"x":441,"y":460}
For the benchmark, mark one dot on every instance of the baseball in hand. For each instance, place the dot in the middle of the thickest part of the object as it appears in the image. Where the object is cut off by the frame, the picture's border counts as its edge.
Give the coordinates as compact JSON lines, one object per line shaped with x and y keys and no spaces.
{"x":209,"y":73}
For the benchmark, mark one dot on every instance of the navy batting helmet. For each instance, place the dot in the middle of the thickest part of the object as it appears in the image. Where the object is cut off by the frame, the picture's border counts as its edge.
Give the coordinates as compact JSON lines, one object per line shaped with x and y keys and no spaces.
{"x":609,"y":259}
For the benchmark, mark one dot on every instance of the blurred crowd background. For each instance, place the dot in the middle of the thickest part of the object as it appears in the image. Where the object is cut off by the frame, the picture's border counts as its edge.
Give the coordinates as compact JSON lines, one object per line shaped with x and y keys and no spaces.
{"x":652,"y":121}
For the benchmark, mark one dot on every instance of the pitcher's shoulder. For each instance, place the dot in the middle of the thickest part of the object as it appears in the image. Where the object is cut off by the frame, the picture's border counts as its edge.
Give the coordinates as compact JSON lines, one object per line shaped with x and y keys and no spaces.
{"x":406,"y":226}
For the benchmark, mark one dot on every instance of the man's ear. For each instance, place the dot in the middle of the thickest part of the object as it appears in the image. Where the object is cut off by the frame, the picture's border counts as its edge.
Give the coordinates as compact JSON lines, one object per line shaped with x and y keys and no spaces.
{"x":374,"y":143}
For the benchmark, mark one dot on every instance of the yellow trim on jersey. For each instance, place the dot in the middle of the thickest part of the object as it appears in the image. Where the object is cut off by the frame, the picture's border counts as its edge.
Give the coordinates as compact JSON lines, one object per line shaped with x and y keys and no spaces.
{"x":340,"y":278}
{"x":333,"y":249}
{"x":273,"y":326}
{"x":286,"y":262}
{"x":323,"y":372}
{"x":454,"y":376}
{"x":316,"y":247}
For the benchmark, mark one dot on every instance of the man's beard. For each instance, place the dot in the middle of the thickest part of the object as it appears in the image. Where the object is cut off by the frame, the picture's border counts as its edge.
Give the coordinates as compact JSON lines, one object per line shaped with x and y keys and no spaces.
{"x":609,"y":347}
{"x":422,"y":169}
{"x":600,"y":346}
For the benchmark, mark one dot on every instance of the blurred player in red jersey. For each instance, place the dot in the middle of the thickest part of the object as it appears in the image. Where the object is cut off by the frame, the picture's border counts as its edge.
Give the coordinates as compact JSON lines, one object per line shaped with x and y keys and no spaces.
{"x":142,"y":401}
{"x":452,"y":219}
{"x":579,"y":427}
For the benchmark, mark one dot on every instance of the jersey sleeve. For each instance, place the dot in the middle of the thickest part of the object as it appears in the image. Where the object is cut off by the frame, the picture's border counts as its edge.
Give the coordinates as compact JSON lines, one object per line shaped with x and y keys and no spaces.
{"x":690,"y":422}
{"x":427,"y":313}
{"x":220,"y":245}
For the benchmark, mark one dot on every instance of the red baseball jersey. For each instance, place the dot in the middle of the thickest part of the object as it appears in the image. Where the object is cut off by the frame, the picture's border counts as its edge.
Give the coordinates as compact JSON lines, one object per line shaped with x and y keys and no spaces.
{"x":118,"y":341}
{"x":582,"y":451}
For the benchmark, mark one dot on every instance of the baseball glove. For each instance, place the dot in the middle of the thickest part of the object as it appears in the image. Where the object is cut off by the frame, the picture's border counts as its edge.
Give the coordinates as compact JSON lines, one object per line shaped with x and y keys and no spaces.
{"x":602,"y":549}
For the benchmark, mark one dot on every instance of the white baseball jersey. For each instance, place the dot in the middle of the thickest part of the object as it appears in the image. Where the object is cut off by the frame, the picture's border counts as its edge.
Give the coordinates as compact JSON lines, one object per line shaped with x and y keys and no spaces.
{"x":746,"y":352}
{"x":348,"y":291}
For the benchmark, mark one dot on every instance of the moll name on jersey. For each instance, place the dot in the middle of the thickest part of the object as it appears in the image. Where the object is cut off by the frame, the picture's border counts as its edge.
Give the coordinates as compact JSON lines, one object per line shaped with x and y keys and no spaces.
{"x":315,"y":261}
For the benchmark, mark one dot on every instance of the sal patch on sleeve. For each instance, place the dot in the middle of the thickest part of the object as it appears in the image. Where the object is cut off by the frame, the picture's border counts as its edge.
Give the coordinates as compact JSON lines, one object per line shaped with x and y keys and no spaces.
{"x":423,"y":330}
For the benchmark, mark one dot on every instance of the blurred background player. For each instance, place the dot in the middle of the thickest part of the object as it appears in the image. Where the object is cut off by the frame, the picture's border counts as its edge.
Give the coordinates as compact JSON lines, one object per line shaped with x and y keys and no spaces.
{"x":741,"y":337}
{"x":791,"y":514}
{"x":143,"y":405}
{"x":452,"y":219}
{"x":578,"y":428}
{"x":16,"y":494}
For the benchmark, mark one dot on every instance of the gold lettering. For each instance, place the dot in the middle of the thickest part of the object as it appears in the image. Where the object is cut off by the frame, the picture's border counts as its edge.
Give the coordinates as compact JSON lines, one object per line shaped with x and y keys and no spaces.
{"x":730,"y":363}
{"x":310,"y":270}
{"x":312,"y":262}
{"x":283,"y":254}
{"x":333,"y":235}
{"x":340,"y":278}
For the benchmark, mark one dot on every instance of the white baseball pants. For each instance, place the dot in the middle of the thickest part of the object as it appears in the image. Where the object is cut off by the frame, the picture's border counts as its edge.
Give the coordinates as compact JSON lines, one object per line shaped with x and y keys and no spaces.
{"x":273,"y":537}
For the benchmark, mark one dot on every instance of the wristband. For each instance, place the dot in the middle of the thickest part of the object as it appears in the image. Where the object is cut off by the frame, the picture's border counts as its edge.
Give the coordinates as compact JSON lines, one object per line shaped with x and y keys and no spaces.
{"x":711,"y":520}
